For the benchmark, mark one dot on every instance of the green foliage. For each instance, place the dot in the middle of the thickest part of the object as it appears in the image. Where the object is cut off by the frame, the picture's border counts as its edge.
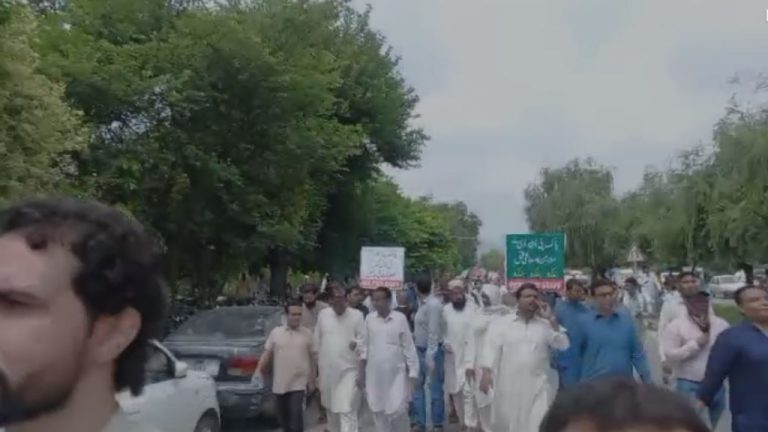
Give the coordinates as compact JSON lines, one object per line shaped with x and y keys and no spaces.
{"x":246,"y":133}
{"x":493,"y":260}
{"x":37,"y":128}
{"x":576,"y":199}
{"x":709,"y":208}
{"x":465,"y":228}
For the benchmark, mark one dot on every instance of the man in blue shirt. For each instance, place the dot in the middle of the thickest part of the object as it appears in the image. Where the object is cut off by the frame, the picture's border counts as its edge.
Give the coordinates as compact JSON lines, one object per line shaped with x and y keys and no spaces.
{"x":568,"y":313}
{"x":740,"y":354}
{"x":607,"y":340}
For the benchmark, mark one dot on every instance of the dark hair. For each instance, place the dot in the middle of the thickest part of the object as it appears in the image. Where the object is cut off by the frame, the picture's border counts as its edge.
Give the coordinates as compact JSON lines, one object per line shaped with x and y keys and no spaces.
{"x":387,"y":292}
{"x":424,"y":284}
{"x":686,"y":274}
{"x":353,"y":289}
{"x":293,"y":302}
{"x":526,"y":286}
{"x":739,"y":293}
{"x":573,"y":283}
{"x":120,"y":267}
{"x":600,"y":282}
{"x":332,"y":287}
{"x":630,"y":280}
{"x":621,"y":403}
{"x":309,"y":287}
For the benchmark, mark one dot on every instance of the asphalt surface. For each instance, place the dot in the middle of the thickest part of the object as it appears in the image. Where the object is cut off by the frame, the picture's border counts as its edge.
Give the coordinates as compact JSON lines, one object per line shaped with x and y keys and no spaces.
{"x":366,"y":423}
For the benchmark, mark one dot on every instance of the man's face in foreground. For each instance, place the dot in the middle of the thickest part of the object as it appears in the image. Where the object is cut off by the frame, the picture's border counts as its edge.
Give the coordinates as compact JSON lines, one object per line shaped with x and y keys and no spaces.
{"x":588,"y":426}
{"x":43,"y":329}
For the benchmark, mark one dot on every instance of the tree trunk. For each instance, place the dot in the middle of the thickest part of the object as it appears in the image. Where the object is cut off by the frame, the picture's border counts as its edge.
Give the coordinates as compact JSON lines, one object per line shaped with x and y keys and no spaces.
{"x":278,"y":273}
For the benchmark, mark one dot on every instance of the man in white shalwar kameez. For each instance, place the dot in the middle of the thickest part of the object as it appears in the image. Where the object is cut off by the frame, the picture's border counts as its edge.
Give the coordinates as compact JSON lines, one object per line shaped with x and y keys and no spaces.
{"x":492,"y":311}
{"x":391,"y":364}
{"x":340,"y":339}
{"x":458,"y":315}
{"x":520,"y":343}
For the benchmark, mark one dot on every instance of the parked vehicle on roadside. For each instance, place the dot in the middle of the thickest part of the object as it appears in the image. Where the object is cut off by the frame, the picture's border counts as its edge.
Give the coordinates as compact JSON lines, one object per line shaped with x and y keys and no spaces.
{"x":724,"y":286}
{"x":175,"y":399}
{"x":226,"y":343}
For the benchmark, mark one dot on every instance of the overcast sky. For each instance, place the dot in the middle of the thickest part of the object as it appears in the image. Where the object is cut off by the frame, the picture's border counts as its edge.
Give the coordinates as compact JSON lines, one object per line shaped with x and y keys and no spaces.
{"x":510,"y":86}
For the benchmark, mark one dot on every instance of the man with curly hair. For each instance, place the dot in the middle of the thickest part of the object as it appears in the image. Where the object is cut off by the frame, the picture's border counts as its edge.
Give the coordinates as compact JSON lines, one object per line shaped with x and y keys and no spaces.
{"x":81,"y":293}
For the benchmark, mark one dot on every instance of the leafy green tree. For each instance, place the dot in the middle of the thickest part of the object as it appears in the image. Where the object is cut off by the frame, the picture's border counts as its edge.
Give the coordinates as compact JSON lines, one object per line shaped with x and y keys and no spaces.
{"x":576,"y":199}
{"x":465,"y":228}
{"x":493,"y":260}
{"x":37,"y":128}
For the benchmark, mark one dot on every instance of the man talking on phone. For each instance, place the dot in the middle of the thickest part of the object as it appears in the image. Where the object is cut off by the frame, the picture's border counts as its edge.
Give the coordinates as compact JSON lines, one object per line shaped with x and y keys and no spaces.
{"x":518,"y":347}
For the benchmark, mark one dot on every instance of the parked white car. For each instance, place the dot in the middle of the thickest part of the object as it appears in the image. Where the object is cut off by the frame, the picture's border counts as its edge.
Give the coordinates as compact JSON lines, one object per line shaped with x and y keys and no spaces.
{"x":175,"y":399}
{"x":724,"y":286}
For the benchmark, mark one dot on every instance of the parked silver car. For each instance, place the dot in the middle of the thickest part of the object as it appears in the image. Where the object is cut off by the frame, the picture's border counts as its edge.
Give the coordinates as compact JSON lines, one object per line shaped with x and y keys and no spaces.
{"x":724,"y":286}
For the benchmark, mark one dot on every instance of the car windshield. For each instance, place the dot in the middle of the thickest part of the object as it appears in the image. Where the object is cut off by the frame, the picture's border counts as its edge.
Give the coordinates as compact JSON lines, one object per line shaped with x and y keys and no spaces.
{"x":726,"y":279}
{"x":246,"y":322}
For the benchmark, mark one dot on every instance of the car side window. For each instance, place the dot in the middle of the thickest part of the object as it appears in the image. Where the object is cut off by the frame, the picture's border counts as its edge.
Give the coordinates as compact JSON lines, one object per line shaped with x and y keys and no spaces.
{"x":159,"y":366}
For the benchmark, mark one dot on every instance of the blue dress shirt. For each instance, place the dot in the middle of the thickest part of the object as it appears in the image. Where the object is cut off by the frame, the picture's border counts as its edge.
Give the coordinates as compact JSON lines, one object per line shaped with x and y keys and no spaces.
{"x":610,"y":345}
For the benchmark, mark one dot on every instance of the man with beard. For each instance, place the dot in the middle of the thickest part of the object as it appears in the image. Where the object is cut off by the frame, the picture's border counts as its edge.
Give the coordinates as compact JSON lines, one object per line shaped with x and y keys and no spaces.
{"x":492,"y":310}
{"x":340,"y":338}
{"x":310,"y":310}
{"x":519,"y":345}
{"x":312,"y":306}
{"x":458,"y":315}
{"x":80,"y":295}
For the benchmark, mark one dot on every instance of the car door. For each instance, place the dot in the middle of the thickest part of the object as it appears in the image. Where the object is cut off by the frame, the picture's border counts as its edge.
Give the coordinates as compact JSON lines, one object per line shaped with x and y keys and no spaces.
{"x":164,"y":403}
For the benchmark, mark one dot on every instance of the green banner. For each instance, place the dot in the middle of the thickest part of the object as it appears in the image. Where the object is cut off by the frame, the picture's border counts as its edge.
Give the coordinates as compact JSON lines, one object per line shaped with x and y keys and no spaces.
{"x":536,"y":258}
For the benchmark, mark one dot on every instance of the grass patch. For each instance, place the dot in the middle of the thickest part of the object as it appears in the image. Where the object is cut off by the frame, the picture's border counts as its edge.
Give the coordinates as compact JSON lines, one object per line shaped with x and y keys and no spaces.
{"x":728,"y":312}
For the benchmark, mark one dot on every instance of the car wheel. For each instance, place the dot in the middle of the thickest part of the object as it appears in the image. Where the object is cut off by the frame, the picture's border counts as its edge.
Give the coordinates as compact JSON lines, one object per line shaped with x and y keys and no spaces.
{"x":208,"y":423}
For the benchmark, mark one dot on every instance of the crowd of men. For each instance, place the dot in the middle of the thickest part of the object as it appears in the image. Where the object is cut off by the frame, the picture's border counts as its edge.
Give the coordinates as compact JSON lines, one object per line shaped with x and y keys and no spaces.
{"x":498,"y":358}
{"x":82,"y":293}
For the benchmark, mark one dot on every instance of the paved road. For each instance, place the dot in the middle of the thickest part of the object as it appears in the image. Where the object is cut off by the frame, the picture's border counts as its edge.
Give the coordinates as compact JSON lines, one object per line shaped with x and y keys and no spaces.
{"x":651,"y":347}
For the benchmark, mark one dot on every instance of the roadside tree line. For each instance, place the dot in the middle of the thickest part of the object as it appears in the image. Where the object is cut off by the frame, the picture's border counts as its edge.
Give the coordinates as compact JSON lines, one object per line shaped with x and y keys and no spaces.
{"x":246,"y":134}
{"x":708,"y":208}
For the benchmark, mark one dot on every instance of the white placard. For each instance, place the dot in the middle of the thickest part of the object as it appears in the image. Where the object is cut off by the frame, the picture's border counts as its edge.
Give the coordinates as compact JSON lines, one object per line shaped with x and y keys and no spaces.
{"x":382,"y":266}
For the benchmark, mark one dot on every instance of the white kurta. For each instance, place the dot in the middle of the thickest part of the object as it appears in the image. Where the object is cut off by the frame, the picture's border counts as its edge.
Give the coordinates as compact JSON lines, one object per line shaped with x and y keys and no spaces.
{"x":458,"y":325}
{"x":339,"y":365}
{"x":391,"y":360}
{"x":474,"y":349}
{"x":522,"y":352}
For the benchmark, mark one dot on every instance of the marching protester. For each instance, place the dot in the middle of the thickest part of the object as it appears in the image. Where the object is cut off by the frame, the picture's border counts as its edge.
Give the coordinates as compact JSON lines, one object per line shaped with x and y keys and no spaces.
{"x":391,"y":364}
{"x":492,"y":310}
{"x":339,"y":338}
{"x":81,"y":295}
{"x":568,"y":313}
{"x":428,"y":330}
{"x":621,"y":405}
{"x":740,"y":355}
{"x":311,"y":305}
{"x":404,"y":307}
{"x":356,"y":299}
{"x":289,"y":358}
{"x":686,"y":343}
{"x":458,"y":315}
{"x":607,"y":339}
{"x":632,"y":299}
{"x":520,"y":344}
{"x":675,"y":307}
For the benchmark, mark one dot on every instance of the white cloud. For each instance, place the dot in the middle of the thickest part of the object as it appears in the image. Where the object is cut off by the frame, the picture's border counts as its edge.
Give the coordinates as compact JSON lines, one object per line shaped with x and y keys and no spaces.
{"x":511,"y":86}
